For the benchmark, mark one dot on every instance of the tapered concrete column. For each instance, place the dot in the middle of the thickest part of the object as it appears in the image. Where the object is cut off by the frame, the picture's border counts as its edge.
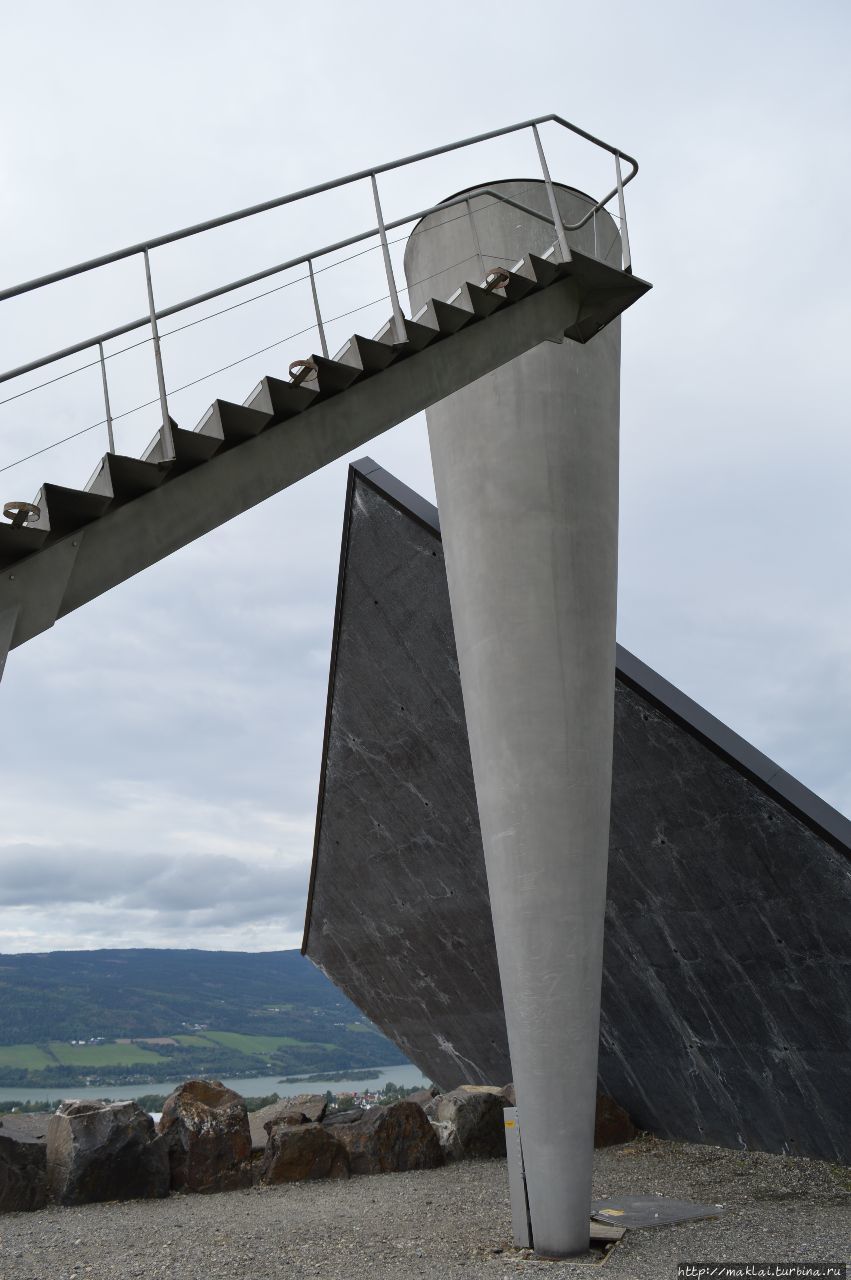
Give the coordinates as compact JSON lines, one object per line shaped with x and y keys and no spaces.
{"x":526,"y":470}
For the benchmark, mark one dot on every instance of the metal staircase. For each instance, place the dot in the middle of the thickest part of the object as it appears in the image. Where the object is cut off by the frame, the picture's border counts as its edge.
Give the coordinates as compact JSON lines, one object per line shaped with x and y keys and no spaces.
{"x":72,"y":544}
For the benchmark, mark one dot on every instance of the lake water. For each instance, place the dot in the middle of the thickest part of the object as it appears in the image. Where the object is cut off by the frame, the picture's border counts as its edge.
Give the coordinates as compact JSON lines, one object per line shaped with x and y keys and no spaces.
{"x":253,"y":1087}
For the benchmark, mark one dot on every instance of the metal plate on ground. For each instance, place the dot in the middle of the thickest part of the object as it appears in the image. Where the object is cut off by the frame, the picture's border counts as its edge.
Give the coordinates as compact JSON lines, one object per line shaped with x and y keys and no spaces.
{"x":650,"y":1211}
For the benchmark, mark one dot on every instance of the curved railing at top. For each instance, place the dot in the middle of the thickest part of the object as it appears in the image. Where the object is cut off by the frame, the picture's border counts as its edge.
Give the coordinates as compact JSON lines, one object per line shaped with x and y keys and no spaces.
{"x":144,"y":247}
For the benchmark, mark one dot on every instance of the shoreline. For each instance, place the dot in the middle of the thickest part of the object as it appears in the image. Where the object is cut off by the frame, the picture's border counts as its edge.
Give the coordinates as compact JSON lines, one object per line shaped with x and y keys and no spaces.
{"x":248,"y":1086}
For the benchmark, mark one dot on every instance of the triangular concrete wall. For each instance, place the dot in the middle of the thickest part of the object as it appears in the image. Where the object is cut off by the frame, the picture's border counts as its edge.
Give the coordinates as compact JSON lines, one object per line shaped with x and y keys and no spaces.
{"x":726,"y":1006}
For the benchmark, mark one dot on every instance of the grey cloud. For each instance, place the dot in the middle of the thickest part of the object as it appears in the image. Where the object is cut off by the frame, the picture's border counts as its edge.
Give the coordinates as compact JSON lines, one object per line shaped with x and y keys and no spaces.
{"x":209,"y":888}
{"x":203,"y":681}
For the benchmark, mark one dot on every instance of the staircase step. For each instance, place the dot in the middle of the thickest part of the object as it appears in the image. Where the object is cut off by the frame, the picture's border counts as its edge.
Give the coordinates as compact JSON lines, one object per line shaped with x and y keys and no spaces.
{"x":544,"y":271}
{"x":64,"y":510}
{"x":443,"y":317}
{"x":18,"y":542}
{"x":515,"y":286}
{"x":472,"y":297}
{"x":417,"y":336}
{"x":606,"y":293}
{"x":190,"y":449}
{"x":232,"y":423}
{"x":366,"y":355}
{"x":123,"y":478}
{"x":280,"y":399}
{"x":120,"y":543}
{"x":328,"y":377}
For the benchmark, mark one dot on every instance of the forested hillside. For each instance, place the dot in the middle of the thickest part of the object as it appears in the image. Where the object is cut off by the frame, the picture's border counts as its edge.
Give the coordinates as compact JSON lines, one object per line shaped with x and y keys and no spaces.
{"x":216,"y":1011}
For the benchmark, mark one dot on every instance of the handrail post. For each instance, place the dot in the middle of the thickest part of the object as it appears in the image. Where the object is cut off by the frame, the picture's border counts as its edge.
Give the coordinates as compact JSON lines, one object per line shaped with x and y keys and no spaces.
{"x":627,"y":260}
{"x":320,"y":326}
{"x":109,"y":435}
{"x":166,"y":438}
{"x":554,"y":209}
{"x":399,"y":319}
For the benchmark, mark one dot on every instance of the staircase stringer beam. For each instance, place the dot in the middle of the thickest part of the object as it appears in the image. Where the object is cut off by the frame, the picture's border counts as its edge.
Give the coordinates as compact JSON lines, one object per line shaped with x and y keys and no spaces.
{"x":83,"y":565}
{"x":8,"y":619}
{"x":32,"y":592}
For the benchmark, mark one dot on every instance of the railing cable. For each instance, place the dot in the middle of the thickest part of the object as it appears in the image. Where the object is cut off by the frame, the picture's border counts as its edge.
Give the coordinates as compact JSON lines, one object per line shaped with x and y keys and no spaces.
{"x":214,"y":372}
{"x":234,"y":306}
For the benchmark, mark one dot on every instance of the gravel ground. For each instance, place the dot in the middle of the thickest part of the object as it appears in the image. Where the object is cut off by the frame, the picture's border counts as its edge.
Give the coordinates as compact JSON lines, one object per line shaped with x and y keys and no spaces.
{"x":450,"y":1223}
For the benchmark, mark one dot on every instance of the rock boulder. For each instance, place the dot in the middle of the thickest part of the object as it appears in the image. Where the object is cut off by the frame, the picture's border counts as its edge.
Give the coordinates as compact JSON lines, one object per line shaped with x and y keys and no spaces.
{"x":305,"y":1108}
{"x":349,"y":1116}
{"x":26,"y":1124}
{"x":298,"y":1153}
{"x":390,"y":1139}
{"x":205,"y":1130}
{"x":104,"y":1151}
{"x":469,"y":1123}
{"x":611,"y":1123}
{"x":423,"y":1096}
{"x":23,"y":1172}
{"x":312,"y":1106}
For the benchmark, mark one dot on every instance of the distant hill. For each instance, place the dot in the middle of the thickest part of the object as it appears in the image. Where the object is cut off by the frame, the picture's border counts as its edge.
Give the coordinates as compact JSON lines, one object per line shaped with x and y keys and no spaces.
{"x":230,"y":1012}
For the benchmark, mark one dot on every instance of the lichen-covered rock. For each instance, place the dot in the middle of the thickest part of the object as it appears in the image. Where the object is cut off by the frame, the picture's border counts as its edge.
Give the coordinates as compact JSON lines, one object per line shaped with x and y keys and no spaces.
{"x":205,"y":1129}
{"x":469,"y":1123}
{"x":390,"y":1139}
{"x":104,"y":1151}
{"x":298,"y":1153}
{"x":304,"y":1108}
{"x":23,"y":1172}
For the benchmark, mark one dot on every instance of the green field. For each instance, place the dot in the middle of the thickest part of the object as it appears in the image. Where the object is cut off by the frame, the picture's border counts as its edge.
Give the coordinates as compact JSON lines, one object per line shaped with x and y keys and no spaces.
{"x":102,"y":1055}
{"x":59,"y":1053}
{"x":262,"y":1045}
{"x":28,"y":1056}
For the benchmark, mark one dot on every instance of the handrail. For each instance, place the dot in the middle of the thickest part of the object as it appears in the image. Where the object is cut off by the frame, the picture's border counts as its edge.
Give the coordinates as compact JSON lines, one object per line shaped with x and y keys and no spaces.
{"x":144,"y":248}
{"x":224,"y":219}
{"x":198,"y":299}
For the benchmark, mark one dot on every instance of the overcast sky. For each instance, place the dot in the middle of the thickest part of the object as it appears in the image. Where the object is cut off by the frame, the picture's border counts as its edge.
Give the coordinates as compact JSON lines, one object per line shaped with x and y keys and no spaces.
{"x":160,"y":748}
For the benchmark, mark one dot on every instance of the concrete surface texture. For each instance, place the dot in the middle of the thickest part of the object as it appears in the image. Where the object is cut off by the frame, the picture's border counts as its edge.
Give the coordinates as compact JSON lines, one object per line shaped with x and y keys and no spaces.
{"x":526,"y":472}
{"x":726,"y":1012}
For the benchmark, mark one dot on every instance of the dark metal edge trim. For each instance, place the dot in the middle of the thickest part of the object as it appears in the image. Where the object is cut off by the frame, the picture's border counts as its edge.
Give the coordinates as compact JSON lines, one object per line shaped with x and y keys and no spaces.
{"x":809,"y":808}
{"x":329,"y":704}
{"x":406,"y":500}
